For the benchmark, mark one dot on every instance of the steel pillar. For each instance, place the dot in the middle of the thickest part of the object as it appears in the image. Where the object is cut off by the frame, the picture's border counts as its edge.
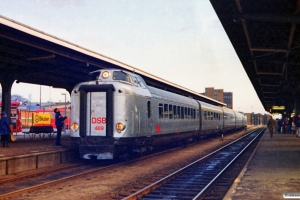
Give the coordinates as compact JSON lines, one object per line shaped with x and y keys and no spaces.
{"x":6,"y":83}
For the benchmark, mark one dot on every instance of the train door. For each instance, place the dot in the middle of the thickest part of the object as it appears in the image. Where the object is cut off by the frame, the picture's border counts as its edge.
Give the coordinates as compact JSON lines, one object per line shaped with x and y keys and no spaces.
{"x":96,"y":117}
{"x":96,"y":110}
{"x":149,"y":121}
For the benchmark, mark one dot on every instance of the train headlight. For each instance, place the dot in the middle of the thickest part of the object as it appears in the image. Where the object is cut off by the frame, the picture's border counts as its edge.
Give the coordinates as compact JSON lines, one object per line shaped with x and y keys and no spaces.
{"x":74,"y":126}
{"x":120,"y":127}
{"x":105,"y":74}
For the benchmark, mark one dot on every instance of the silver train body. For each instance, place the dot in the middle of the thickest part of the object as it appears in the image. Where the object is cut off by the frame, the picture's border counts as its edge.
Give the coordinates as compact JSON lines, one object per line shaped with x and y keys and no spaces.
{"x":117,"y":113}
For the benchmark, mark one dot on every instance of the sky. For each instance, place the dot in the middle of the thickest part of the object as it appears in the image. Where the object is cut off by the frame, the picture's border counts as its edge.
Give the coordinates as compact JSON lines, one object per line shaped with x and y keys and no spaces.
{"x":177,"y":40}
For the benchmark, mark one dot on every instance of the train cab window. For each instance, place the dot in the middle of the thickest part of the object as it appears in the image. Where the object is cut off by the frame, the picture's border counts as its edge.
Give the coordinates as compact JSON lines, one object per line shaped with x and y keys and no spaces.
{"x":141,"y":82}
{"x":94,"y":76}
{"x":166,"y":111}
{"x":149,"y":108}
{"x":121,"y":76}
{"x":170,"y":111}
{"x":135,"y":81}
{"x":175,"y":112}
{"x":160,"y":111}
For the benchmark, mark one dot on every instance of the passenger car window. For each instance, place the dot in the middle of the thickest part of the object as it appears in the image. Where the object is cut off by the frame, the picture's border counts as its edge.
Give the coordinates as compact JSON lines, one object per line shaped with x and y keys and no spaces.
{"x":166,"y":112}
{"x":182,"y":113}
{"x":170,"y":111}
{"x":160,"y":110}
{"x":149,"y":108}
{"x":175,"y":111}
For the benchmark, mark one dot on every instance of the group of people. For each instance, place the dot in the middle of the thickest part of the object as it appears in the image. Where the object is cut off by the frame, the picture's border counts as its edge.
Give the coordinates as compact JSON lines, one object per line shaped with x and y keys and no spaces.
{"x":5,"y":129}
{"x":285,"y":125}
{"x":289,"y":125}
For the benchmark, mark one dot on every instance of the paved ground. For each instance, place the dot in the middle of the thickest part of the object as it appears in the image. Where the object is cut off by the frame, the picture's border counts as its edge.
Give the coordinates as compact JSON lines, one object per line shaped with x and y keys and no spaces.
{"x":273,"y":170}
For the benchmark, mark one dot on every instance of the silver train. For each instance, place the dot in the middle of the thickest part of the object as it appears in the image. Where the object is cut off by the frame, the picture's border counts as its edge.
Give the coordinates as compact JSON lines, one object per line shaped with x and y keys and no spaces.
{"x":116,"y":113}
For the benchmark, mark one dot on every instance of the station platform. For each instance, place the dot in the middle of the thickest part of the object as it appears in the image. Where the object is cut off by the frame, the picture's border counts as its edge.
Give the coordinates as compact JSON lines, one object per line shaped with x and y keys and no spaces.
{"x":27,"y":145}
{"x":273,"y":171}
{"x":32,"y":153}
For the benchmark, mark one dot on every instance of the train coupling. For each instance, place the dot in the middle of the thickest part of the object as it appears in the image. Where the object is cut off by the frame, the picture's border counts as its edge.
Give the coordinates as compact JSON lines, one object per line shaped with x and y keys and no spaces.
{"x":100,"y":150}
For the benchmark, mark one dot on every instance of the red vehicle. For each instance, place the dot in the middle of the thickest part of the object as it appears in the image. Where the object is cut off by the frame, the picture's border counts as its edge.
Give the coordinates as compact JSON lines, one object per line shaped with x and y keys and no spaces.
{"x":15,"y":115}
{"x":51,"y":112}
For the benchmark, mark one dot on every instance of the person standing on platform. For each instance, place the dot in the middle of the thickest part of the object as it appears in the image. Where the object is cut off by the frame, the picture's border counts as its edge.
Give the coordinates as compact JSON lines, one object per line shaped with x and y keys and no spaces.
{"x":271,"y":125}
{"x":278,"y":125}
{"x":289,"y":125}
{"x":282,"y":126}
{"x":297,"y":124}
{"x":59,"y":122}
{"x":4,"y":129}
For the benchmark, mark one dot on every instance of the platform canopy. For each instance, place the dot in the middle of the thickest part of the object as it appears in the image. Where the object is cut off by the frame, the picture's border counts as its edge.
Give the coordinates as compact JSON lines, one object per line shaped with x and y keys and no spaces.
{"x":266,"y":37}
{"x":31,"y":56}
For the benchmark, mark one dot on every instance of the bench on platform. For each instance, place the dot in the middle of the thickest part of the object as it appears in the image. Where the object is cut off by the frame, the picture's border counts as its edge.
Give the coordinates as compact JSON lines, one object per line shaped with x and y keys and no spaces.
{"x":40,"y":130}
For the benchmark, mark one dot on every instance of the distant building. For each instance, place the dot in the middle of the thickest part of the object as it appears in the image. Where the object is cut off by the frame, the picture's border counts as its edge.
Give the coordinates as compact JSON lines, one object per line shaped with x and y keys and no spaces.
{"x":228,"y":99}
{"x":220,"y":95}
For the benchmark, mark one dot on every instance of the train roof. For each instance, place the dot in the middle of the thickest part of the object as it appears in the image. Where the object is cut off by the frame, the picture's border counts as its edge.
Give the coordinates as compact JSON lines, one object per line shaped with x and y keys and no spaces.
{"x":196,"y":94}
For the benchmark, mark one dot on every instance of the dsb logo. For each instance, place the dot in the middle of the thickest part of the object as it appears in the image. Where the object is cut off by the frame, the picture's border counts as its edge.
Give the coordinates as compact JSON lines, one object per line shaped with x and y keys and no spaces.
{"x":98,"y":120}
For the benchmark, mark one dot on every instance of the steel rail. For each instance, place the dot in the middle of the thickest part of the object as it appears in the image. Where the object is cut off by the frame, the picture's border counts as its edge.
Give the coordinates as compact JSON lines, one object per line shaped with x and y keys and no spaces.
{"x":41,"y":186}
{"x":162,"y":181}
{"x":50,"y":183}
{"x":219,"y":174}
{"x":20,"y":177}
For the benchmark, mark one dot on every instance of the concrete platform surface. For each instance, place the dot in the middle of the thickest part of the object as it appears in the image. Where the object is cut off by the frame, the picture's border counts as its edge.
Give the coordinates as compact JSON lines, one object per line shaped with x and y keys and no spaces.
{"x":274,"y":170}
{"x":27,"y":145}
{"x":35,"y":153}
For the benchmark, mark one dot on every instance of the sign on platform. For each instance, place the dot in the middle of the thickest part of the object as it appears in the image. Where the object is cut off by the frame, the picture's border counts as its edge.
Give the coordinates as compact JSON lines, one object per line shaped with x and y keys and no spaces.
{"x":41,"y":118}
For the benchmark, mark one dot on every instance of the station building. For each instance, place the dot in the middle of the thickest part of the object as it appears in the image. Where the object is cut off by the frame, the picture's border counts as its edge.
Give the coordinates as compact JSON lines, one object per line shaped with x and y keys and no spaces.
{"x":219,"y":95}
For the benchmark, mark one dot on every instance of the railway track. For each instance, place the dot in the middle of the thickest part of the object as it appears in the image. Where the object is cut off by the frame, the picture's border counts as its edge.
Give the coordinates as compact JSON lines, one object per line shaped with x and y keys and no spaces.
{"x":202,"y":178}
{"x":22,"y":184}
{"x":30,"y":182}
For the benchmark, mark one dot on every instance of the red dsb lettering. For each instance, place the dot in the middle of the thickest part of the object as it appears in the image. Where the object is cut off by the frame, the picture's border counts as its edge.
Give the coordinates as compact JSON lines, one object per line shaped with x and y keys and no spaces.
{"x":98,"y":120}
